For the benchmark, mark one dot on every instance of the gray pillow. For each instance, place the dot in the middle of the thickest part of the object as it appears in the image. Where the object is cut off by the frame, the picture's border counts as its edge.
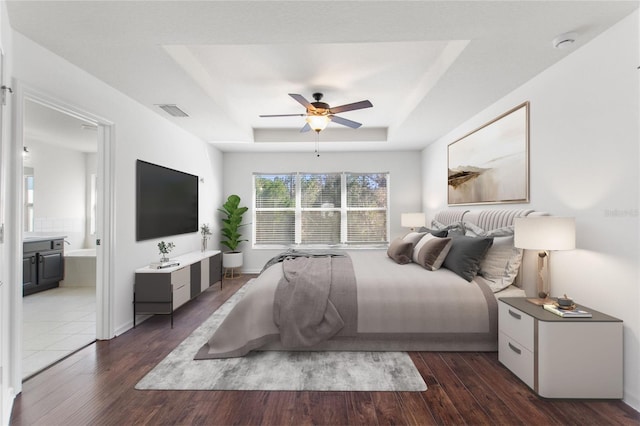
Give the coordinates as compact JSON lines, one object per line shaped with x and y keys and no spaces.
{"x":465,"y":255}
{"x":434,"y":232}
{"x":400,"y":251}
{"x":456,"y":228}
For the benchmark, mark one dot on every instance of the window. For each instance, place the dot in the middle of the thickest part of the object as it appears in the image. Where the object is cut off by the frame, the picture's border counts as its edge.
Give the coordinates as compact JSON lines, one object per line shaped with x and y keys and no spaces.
{"x":93,"y":204}
{"x":320,"y":209}
{"x":28,"y":196}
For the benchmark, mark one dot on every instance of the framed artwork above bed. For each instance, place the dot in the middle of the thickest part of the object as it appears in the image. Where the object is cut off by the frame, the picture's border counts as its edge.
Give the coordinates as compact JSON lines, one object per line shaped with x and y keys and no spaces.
{"x":490,"y":165}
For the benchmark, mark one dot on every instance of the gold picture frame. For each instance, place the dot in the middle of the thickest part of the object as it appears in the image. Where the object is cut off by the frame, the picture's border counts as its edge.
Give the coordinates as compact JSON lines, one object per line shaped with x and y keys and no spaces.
{"x":490,"y":165}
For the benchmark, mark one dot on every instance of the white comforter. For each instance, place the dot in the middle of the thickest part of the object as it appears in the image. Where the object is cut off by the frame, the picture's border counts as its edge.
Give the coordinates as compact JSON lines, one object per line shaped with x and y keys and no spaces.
{"x":394,"y":302}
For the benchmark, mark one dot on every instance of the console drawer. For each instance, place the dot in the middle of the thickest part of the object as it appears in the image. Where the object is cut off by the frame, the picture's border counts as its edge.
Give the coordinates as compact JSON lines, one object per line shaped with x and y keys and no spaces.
{"x":181,"y":282}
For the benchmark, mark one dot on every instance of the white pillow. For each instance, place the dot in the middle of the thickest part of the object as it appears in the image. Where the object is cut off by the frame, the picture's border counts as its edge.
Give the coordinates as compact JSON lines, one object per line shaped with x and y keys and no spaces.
{"x":501,"y":264}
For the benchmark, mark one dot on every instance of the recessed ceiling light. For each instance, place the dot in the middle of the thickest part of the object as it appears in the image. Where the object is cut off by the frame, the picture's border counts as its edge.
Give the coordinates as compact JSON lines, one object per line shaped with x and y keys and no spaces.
{"x":565,"y":40}
{"x":172,"y":110}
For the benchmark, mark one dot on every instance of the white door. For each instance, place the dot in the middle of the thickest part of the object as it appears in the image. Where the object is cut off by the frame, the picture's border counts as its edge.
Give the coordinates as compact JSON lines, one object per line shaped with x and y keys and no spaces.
{"x":4,"y":316}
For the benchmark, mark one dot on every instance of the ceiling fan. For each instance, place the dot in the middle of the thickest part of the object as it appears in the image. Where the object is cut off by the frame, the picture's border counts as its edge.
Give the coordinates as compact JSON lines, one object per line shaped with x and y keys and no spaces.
{"x":319,"y":114}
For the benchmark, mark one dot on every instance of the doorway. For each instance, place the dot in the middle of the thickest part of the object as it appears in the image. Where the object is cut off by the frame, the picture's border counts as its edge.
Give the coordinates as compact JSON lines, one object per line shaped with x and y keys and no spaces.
{"x":103,"y":219}
{"x":59,"y":211}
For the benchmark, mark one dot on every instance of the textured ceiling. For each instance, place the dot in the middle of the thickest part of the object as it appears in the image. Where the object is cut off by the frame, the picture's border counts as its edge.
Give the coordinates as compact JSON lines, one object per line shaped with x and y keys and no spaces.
{"x":426,"y":66}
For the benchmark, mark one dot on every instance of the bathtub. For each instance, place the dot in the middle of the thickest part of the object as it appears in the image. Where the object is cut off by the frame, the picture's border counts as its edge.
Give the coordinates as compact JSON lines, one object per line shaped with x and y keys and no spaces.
{"x":79,"y":268}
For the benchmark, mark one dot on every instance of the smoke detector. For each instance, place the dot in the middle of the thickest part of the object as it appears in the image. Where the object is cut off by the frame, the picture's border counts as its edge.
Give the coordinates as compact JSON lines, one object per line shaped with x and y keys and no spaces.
{"x":564,"y":41}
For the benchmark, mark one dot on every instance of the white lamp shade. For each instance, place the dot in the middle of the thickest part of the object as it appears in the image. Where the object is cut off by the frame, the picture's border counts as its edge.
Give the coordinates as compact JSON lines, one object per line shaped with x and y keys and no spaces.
{"x":545,"y":233}
{"x":412,"y":220}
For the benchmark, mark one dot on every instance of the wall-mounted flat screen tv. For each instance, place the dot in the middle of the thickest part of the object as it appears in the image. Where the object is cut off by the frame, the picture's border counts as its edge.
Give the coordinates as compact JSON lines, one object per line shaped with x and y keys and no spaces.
{"x":166,"y":201}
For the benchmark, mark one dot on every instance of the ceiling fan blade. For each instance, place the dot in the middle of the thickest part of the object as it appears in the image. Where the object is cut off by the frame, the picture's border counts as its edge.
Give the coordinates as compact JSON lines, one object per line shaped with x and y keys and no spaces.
{"x":301,"y":99}
{"x":350,"y":107}
{"x":345,"y":122}
{"x":282,"y":115}
{"x":305,"y":128}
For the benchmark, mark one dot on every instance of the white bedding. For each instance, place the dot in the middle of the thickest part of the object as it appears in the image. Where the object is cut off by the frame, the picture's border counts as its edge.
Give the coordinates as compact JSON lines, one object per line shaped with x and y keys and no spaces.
{"x":399,"y":307}
{"x":395,"y":298}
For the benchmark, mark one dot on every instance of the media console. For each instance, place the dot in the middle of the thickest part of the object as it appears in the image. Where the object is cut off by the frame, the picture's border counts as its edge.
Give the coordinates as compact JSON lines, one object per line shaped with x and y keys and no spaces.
{"x":162,"y":291}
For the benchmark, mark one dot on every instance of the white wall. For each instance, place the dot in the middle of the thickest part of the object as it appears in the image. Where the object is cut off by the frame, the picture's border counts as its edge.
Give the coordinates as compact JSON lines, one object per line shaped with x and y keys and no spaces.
{"x":584,"y":157}
{"x":404,"y":169}
{"x":59,"y":187}
{"x":139,"y":134}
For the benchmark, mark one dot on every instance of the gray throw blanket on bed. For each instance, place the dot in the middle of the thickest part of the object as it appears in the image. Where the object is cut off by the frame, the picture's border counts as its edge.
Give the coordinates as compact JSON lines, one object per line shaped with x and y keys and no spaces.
{"x":302,"y":309}
{"x":291,"y":253}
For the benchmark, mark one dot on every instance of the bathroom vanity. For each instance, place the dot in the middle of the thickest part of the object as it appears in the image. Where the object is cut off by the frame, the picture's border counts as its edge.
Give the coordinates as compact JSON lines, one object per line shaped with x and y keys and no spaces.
{"x":42,"y":263}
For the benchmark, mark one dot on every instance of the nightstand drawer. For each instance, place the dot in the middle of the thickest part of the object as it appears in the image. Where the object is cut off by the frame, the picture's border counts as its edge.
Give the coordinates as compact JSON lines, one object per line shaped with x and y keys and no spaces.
{"x":516,"y":324}
{"x":516,"y":358}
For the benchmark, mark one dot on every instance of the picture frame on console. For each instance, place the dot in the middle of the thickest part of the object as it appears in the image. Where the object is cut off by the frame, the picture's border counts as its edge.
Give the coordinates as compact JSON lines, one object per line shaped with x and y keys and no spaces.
{"x":490,"y":165}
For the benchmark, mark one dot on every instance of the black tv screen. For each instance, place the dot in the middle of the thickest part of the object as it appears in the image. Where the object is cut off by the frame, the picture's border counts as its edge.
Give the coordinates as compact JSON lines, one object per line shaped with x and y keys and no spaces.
{"x":166,"y":201}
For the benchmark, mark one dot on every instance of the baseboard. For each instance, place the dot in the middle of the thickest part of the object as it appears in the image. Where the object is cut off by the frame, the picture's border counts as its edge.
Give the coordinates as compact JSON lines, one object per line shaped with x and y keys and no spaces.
{"x":129,"y":324}
{"x":631,"y":399}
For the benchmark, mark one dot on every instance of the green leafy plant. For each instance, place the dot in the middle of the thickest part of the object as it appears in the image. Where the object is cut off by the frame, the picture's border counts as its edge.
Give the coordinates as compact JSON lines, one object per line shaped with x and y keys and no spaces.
{"x":232,"y":222}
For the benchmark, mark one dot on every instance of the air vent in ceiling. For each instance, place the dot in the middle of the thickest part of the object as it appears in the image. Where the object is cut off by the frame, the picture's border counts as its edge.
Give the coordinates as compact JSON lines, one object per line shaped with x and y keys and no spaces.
{"x":173,"y":110}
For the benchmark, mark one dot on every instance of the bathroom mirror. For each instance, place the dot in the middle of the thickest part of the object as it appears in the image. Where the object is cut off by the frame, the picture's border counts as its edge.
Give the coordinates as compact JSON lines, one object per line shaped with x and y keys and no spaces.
{"x":59,"y":162}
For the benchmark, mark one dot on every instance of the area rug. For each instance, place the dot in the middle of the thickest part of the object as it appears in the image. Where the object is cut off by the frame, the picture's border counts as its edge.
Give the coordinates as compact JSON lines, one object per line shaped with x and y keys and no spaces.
{"x":279,"y":370}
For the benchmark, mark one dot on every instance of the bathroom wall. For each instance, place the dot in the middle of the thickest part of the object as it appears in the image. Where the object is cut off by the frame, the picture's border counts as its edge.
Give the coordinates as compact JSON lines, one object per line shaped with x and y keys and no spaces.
{"x":59,"y":191}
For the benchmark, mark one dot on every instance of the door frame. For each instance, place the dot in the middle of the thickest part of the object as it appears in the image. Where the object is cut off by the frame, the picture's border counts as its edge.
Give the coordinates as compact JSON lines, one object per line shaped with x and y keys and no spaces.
{"x":105,"y":229}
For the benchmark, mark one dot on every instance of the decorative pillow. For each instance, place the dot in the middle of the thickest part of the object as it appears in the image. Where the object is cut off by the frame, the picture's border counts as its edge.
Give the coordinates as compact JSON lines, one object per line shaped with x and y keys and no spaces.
{"x":413,"y":237}
{"x":502,"y":262}
{"x":431,"y":252}
{"x":456,"y":228}
{"x":465,"y":255}
{"x":400,"y":251}
{"x":434,"y":232}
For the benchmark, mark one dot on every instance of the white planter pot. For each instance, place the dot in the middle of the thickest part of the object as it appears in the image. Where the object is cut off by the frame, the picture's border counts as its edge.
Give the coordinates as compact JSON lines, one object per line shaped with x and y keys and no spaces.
{"x":232,"y":259}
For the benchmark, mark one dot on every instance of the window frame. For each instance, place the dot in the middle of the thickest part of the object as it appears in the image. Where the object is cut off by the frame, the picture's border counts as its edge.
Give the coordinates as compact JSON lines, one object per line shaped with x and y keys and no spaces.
{"x":343,"y":210}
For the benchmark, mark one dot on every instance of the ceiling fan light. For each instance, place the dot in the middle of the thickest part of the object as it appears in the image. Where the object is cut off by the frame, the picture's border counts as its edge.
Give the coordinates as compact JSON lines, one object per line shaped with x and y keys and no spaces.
{"x":318,"y":122}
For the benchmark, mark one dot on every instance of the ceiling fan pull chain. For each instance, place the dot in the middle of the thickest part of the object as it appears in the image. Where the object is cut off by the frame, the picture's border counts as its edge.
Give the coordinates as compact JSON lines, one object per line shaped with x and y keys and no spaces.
{"x":317,"y":144}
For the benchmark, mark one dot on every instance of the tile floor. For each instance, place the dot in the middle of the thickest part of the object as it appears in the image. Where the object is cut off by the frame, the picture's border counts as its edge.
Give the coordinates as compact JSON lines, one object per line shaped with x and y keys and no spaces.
{"x":56,"y":323}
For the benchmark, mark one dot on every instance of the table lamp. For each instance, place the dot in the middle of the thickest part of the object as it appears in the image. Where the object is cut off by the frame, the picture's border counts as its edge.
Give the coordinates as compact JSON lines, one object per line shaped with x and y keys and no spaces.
{"x":544,"y":233}
{"x":412,"y":220}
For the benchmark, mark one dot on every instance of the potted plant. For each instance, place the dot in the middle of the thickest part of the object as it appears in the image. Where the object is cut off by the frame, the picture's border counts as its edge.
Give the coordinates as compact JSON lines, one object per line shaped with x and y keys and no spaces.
{"x":165,"y":249}
{"x":231,"y":223}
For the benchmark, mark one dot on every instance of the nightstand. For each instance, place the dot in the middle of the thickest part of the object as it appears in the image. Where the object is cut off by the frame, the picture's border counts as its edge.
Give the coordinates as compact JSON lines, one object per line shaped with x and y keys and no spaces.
{"x":560,"y":357}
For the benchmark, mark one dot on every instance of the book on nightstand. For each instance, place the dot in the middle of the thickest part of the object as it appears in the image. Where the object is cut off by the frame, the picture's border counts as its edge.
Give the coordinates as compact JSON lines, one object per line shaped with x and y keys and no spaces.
{"x":575,"y":313}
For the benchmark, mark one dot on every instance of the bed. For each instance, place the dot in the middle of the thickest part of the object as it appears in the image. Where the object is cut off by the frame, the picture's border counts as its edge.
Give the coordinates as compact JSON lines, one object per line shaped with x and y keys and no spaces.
{"x":376,"y":301}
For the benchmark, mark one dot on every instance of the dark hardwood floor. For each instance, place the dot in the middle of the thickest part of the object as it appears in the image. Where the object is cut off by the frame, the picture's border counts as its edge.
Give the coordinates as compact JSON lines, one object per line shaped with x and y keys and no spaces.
{"x":95,"y":387}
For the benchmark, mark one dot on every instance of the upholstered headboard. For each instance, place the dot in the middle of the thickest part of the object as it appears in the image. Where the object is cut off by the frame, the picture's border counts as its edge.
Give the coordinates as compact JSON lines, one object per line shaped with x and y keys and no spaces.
{"x":499,"y":218}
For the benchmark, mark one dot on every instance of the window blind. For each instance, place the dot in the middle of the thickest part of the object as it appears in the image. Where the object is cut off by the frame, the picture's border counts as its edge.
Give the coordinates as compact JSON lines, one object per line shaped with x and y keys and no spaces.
{"x":321,"y":209}
{"x":275,"y":201}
